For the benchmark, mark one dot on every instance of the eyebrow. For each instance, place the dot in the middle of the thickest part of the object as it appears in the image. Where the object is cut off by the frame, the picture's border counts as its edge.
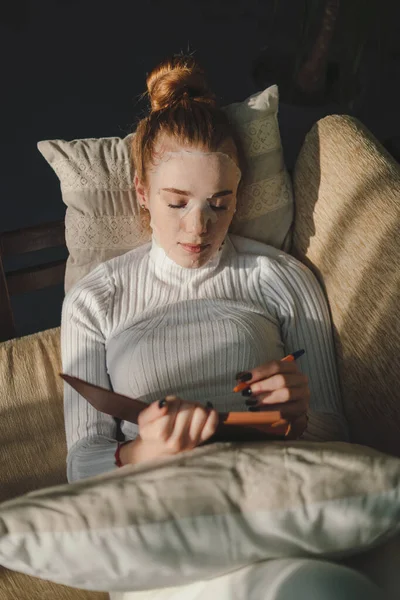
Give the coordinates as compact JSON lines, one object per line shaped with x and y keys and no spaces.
{"x":185,"y":193}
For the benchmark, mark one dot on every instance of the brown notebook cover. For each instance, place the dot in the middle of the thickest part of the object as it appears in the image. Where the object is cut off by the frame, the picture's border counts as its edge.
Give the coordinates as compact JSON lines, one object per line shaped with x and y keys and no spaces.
{"x":233,"y":426}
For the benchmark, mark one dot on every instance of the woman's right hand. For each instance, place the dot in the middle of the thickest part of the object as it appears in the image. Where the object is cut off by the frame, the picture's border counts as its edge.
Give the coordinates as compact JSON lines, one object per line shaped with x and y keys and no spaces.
{"x":171,"y":428}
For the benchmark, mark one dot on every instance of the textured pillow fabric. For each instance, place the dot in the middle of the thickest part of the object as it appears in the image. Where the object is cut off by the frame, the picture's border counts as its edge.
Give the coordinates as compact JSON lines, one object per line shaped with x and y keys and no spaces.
{"x":347,"y":231}
{"x":204,"y":513}
{"x":265,"y":204}
{"x":103,"y":218}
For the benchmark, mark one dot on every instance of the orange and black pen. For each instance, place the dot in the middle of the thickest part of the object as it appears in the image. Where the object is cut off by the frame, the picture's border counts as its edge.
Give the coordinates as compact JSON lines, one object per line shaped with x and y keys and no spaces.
{"x":293,"y":356}
{"x":288,"y":358}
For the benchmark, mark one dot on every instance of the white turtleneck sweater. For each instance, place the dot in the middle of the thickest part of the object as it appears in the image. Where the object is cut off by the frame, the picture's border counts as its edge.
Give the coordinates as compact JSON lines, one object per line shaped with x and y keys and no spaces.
{"x":146,"y":327}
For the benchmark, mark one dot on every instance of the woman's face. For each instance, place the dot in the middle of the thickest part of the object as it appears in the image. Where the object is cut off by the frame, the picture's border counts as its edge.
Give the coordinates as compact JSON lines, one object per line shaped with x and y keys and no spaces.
{"x":203,"y":187}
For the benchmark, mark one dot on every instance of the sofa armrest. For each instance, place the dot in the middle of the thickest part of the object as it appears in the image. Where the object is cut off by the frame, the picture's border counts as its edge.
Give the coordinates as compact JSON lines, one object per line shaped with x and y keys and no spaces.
{"x":33,"y":447}
{"x":346,"y":229}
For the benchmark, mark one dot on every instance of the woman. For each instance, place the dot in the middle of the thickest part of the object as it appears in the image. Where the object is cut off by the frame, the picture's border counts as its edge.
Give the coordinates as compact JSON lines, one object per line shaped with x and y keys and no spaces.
{"x":175,"y":325}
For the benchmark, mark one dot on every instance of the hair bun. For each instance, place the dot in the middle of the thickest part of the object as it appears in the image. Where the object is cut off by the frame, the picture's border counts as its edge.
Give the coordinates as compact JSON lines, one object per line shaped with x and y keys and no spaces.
{"x":178,"y":79}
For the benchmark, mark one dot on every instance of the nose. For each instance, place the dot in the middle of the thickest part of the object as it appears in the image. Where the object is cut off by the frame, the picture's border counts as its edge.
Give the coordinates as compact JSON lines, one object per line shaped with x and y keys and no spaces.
{"x":197,"y":221}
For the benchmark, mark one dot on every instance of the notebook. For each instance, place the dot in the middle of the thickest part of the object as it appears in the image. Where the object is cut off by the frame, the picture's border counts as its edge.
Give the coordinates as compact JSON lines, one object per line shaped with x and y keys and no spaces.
{"x":233,"y":426}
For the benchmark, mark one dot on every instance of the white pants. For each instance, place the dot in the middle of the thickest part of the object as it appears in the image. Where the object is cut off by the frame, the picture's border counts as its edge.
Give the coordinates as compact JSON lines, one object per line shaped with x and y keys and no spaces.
{"x":279,"y":579}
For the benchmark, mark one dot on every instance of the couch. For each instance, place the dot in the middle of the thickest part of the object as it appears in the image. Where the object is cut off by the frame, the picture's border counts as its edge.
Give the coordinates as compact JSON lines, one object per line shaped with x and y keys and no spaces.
{"x":346,"y":229}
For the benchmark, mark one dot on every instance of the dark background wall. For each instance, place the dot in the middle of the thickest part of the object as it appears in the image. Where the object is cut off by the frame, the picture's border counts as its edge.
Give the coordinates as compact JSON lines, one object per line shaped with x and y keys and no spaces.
{"x":75,"y":69}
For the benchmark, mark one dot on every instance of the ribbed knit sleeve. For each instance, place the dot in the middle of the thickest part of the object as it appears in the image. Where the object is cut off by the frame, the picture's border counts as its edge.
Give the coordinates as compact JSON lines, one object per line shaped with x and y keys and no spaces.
{"x":90,"y":434}
{"x":304,"y":319}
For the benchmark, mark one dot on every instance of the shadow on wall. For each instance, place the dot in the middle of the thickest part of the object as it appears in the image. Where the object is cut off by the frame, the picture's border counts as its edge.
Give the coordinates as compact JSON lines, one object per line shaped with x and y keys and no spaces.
{"x":347,"y":232}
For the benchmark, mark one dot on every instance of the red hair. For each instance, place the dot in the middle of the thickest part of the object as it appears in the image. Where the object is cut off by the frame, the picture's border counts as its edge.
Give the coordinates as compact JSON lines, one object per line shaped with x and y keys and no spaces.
{"x":185,"y":110}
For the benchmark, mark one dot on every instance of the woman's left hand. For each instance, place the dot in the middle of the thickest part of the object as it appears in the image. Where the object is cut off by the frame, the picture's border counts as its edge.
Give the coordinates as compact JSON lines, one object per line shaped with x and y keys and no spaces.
{"x":279,"y":385}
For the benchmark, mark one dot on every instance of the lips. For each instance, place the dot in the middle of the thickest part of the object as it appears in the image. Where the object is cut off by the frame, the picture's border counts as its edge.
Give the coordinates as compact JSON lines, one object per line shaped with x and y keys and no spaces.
{"x":194,"y":249}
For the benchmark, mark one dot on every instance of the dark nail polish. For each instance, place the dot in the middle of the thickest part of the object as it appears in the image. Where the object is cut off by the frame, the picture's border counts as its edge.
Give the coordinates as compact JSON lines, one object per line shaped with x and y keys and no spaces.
{"x":251,"y":402}
{"x":209,"y":405}
{"x":253,"y":408}
{"x":162,"y":403}
{"x":247,"y":392}
{"x":243,"y":376}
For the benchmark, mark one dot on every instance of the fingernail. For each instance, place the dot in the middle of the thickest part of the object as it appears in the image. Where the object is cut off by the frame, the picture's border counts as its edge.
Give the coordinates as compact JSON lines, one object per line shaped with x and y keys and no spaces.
{"x":243,"y":376}
{"x":209,"y":405}
{"x":253,"y":408}
{"x":162,"y":403}
{"x":247,"y":392}
{"x":251,"y":402}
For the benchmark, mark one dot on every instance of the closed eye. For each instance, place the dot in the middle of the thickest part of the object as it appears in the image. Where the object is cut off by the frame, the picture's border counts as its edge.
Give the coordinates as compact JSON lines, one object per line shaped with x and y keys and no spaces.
{"x":183,"y":205}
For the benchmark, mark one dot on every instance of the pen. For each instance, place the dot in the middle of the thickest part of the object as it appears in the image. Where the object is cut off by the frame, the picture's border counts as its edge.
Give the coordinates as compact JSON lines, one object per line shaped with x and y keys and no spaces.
{"x":288,"y":358}
{"x":293,"y":356}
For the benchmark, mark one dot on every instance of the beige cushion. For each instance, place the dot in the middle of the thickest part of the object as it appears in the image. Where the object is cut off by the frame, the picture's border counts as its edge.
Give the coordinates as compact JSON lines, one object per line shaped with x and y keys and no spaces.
{"x":204,"y":513}
{"x":103,"y":218}
{"x":32,"y":448}
{"x":347,"y":230}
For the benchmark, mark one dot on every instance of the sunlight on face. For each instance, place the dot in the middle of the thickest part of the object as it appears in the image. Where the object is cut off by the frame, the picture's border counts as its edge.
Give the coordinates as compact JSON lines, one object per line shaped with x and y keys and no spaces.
{"x":203,"y":187}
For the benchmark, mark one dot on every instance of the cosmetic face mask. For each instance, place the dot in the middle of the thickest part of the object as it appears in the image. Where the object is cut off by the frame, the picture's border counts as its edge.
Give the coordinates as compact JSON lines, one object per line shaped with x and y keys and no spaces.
{"x":192,"y":200}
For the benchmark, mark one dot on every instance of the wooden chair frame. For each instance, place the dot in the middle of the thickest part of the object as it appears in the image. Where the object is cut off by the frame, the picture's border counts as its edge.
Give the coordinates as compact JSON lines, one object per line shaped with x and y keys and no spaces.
{"x":21,"y":241}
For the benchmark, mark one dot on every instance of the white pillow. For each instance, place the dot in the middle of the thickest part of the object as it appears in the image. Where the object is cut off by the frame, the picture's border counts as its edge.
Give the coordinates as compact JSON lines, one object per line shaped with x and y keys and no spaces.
{"x":104,"y":219}
{"x":204,"y":513}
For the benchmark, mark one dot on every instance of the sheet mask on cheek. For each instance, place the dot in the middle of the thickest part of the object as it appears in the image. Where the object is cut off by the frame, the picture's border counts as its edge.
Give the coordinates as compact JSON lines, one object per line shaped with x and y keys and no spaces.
{"x":203,"y":174}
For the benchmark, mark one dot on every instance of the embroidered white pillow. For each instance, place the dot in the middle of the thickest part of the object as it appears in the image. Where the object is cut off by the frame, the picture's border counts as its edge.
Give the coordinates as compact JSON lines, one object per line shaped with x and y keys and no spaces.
{"x":103,"y":218}
{"x":204,"y":513}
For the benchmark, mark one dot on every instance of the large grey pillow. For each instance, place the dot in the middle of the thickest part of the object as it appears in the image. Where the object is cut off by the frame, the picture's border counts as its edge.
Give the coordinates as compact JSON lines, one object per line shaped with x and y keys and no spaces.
{"x":204,"y":513}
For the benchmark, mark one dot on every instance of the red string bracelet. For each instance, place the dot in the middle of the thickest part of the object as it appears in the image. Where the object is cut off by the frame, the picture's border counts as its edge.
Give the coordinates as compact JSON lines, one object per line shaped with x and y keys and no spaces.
{"x":118,"y":462}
